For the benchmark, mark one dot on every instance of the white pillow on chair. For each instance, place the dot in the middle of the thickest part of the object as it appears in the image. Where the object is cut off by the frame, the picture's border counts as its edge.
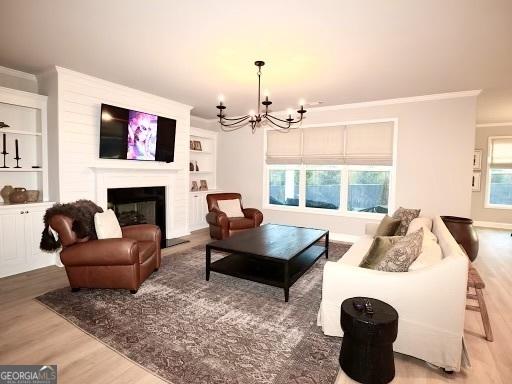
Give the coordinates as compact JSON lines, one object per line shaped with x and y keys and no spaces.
{"x":230,"y":207}
{"x":107,"y":226}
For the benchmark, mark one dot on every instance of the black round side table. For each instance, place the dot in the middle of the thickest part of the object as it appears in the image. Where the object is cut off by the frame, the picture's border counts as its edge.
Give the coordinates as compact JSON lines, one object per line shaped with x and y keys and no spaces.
{"x":367,"y":349}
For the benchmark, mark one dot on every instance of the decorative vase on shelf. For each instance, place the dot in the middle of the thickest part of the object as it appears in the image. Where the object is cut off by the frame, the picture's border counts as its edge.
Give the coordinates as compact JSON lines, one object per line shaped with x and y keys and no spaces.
{"x":197,"y":167}
{"x":5,"y":192}
{"x":18,"y":196}
{"x":32,"y":196}
{"x":463,"y":232}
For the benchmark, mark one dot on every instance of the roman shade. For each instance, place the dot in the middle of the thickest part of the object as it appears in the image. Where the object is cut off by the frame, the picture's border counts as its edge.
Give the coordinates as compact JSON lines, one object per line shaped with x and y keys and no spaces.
{"x":369,"y":144}
{"x":501,"y":152}
{"x":358,"y":144}
{"x":284,"y":147}
{"x":322,"y":145}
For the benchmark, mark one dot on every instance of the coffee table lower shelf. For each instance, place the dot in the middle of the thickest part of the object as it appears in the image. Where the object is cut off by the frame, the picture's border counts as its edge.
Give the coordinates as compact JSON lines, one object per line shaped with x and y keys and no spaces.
{"x":274,"y":272}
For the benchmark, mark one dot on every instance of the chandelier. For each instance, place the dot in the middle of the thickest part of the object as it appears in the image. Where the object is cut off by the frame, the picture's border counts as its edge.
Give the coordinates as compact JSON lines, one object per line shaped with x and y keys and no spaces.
{"x":259,"y":117}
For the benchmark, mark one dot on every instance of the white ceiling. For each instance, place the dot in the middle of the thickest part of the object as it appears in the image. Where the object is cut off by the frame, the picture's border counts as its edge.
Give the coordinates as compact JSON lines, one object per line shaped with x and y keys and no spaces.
{"x":331,"y":51}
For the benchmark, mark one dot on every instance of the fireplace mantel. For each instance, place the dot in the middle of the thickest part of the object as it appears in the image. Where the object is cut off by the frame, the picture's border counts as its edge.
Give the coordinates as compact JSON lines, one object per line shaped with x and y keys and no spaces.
{"x":133,"y":165}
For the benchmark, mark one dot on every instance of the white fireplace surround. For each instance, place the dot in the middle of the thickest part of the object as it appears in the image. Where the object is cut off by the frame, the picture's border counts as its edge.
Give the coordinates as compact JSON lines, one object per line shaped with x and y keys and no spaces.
{"x":128,"y":177}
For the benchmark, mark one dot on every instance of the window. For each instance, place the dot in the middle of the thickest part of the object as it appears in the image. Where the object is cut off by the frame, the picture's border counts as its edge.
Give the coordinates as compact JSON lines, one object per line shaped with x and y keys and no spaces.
{"x":368,"y":191}
{"x":284,"y":187}
{"x":323,"y":188}
{"x":335,"y":169}
{"x":500,"y":192}
{"x":499,"y":173}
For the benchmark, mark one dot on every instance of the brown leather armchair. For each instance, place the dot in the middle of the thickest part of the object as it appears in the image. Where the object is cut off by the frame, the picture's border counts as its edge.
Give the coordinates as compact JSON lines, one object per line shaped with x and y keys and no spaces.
{"x":222,"y":226}
{"x":109,"y":263}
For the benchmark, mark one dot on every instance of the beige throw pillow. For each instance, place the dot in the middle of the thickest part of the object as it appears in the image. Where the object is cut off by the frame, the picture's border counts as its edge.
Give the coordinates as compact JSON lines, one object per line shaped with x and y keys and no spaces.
{"x":231,"y":207}
{"x":387,"y":226}
{"x":107,"y":226}
{"x":377,"y":251}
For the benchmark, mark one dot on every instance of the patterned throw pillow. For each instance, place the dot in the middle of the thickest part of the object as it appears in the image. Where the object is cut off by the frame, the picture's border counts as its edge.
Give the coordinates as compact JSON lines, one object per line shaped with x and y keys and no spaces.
{"x":380,"y":246}
{"x":402,"y":254}
{"x":406,"y":216}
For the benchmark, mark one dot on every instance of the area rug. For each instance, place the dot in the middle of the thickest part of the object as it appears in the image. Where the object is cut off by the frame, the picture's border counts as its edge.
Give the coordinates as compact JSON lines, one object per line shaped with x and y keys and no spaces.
{"x":228,"y":330}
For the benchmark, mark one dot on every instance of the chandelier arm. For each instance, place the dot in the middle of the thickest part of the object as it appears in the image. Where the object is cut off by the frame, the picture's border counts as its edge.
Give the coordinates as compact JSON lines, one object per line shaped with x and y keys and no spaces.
{"x":235,"y":123}
{"x":235,"y":118}
{"x":281,"y":120}
{"x":276,"y":124}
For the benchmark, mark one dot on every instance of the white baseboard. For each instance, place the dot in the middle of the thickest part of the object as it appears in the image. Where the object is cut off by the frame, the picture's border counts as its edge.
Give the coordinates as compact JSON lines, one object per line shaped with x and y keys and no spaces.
{"x":490,"y":224}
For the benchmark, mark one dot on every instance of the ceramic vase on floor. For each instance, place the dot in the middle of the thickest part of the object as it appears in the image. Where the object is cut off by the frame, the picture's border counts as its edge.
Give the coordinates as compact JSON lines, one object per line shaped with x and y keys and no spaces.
{"x":463,"y":232}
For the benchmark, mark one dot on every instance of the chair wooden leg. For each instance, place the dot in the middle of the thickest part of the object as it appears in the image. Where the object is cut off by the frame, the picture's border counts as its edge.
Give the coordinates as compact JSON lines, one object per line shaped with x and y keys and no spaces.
{"x":484,"y":314}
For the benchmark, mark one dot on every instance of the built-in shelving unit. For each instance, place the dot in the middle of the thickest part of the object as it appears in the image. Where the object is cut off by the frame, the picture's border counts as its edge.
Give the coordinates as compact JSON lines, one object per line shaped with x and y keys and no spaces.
{"x":206,"y":161}
{"x":26,"y":115}
{"x":21,"y":224}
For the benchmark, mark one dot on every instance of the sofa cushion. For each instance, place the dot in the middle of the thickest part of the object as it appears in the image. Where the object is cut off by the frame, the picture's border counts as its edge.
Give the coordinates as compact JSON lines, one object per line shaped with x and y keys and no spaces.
{"x":378,"y":250}
{"x":230,"y":207}
{"x":406,"y":216}
{"x":402,"y":253}
{"x":430,"y":255}
{"x":387,"y":226}
{"x":240,"y":223}
{"x":146,"y":250}
{"x":419,"y":222}
{"x":107,"y":226}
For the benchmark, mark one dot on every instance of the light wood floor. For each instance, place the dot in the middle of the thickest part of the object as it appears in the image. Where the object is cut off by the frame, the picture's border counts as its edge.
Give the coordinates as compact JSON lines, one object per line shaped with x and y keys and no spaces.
{"x":32,"y":334}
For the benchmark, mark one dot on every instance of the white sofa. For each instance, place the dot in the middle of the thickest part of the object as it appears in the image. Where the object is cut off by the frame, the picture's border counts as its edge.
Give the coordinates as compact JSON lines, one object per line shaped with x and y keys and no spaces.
{"x":430,"y":300}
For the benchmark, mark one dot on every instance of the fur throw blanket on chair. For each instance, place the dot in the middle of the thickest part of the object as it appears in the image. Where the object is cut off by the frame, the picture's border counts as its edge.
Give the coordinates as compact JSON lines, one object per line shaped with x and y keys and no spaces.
{"x":81,"y":212}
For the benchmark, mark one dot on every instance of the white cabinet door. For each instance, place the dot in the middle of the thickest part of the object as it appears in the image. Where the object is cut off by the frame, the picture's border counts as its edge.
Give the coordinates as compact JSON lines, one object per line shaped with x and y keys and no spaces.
{"x":20,"y":235}
{"x":34,"y":227}
{"x":198,"y":211}
{"x":13,"y":255}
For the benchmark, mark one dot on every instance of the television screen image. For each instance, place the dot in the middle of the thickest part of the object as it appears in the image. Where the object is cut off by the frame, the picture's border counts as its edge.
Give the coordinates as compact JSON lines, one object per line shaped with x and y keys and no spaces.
{"x":127,"y":134}
{"x":142,"y":134}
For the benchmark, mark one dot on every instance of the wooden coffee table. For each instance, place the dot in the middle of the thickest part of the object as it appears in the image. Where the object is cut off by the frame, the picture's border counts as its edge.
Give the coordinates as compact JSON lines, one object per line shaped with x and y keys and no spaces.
{"x":272,"y":254}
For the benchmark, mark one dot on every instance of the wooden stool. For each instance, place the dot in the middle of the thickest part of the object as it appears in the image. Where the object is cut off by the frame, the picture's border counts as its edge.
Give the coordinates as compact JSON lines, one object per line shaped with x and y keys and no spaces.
{"x":476,"y":282}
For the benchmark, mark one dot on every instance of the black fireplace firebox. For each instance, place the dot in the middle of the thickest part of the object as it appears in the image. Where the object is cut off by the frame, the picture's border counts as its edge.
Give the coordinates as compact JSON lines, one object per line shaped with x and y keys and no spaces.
{"x":143,"y":205}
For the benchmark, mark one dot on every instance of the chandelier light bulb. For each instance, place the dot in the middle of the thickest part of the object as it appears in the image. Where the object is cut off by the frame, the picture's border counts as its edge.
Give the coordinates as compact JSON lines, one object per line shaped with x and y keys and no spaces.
{"x":266,"y":93}
{"x":301,"y":102}
{"x":251,"y":113}
{"x":289,"y":111}
{"x":221,"y":99}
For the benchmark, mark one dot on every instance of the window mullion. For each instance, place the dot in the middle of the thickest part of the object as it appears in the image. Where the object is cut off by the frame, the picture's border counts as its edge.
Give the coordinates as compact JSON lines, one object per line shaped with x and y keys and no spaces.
{"x":344,"y":189}
{"x":302,"y":186}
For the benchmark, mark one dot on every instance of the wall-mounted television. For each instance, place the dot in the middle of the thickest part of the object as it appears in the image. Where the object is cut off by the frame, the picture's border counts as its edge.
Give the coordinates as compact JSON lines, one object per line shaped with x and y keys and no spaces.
{"x":133,"y":135}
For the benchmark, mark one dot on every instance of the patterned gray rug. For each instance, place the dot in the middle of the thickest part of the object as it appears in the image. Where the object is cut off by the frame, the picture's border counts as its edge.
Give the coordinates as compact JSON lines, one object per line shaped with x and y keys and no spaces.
{"x":227,"y":330}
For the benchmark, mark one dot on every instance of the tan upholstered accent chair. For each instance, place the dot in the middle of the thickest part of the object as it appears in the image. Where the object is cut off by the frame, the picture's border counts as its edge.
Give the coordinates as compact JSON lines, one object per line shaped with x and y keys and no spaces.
{"x":222,"y":226}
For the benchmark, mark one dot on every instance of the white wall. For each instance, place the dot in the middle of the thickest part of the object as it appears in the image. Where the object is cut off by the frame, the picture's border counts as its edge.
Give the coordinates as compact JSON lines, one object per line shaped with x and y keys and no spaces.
{"x":434,"y":151}
{"x":74,"y":116}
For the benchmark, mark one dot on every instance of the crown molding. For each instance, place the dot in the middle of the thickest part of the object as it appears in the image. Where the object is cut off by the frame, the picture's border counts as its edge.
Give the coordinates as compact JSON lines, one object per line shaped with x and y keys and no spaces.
{"x":16,"y":73}
{"x":505,"y":124}
{"x":401,"y":100}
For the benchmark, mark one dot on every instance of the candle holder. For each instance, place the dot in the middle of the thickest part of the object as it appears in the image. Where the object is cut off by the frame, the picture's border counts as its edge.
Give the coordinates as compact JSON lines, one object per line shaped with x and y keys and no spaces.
{"x":17,"y":158}
{"x":4,"y":152}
